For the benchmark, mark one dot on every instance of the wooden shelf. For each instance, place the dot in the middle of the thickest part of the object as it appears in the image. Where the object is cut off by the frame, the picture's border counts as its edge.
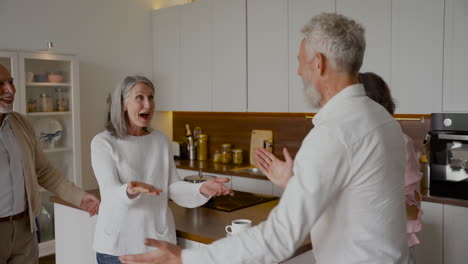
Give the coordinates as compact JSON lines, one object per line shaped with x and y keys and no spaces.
{"x":48,"y":113}
{"x":47,"y":84}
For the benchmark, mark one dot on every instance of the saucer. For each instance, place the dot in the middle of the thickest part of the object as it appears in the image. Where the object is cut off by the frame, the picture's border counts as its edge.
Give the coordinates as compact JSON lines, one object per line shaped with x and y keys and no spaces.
{"x":228,"y":235}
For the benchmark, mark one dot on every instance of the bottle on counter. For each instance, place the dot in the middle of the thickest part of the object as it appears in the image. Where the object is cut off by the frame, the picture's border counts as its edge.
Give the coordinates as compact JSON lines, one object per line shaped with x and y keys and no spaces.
{"x":226,"y":153}
{"x":202,"y":147}
{"x":190,"y":144}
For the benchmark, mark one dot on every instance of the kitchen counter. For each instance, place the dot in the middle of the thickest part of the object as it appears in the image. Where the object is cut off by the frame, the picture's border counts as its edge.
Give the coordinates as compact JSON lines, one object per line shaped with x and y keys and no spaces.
{"x":210,"y":167}
{"x":205,"y":225}
{"x":442,"y":200}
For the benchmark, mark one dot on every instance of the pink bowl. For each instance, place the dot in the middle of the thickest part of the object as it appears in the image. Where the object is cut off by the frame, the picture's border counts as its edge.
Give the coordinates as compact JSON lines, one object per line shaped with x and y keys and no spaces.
{"x":55,"y":78}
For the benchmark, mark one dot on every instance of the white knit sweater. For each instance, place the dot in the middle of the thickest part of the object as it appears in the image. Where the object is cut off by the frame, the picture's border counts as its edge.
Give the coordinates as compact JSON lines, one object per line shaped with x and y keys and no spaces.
{"x":124,"y":223}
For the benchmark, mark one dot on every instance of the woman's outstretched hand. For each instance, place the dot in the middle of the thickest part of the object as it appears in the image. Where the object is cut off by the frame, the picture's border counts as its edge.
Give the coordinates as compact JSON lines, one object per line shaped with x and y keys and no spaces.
{"x":215,"y":187}
{"x":135,"y":188}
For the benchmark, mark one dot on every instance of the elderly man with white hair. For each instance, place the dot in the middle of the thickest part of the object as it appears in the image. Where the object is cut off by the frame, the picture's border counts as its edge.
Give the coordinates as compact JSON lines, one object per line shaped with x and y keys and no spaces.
{"x":346,"y":189}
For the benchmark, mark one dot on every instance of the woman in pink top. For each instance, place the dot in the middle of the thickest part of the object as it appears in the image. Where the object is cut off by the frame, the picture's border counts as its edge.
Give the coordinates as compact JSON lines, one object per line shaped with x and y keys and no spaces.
{"x":378,"y":90}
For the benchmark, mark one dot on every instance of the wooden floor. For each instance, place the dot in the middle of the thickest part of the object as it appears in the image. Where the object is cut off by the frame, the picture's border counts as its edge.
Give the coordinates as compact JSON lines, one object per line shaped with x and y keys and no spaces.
{"x":47,"y":260}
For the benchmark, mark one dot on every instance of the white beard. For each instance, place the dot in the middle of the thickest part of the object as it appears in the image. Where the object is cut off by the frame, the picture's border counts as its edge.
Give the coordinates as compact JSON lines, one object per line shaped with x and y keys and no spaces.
{"x":312,"y":96}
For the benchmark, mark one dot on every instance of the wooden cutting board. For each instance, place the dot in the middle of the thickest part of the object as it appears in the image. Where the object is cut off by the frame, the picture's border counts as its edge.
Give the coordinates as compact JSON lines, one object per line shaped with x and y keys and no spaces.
{"x":256,"y":141}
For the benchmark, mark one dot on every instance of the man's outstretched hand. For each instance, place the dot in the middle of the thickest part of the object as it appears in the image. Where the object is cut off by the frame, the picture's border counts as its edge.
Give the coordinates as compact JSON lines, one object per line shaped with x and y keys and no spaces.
{"x":167,"y":253}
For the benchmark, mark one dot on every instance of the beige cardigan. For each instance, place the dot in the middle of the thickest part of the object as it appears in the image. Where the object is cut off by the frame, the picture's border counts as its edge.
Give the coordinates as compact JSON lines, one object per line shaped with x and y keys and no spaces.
{"x":37,"y":170}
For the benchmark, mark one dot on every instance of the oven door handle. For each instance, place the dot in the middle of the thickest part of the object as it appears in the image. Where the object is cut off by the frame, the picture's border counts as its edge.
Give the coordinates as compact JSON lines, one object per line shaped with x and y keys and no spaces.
{"x":453,"y":137}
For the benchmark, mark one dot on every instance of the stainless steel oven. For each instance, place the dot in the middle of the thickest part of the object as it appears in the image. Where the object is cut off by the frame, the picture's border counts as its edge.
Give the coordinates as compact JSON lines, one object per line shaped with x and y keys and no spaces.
{"x":449,"y":155}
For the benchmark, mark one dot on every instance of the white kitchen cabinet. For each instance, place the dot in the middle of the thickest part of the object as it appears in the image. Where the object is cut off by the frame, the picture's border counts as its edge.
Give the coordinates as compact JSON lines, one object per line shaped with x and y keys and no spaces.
{"x":229,"y":56}
{"x":267,"y":55}
{"x":375,"y":16}
{"x":200,"y":56}
{"x":74,"y":235}
{"x":455,"y":92}
{"x":195,"y":56}
{"x":166,"y":58}
{"x":455,"y":234}
{"x":252,"y":185}
{"x":417,"y":55}
{"x":430,"y":251}
{"x":299,"y":13}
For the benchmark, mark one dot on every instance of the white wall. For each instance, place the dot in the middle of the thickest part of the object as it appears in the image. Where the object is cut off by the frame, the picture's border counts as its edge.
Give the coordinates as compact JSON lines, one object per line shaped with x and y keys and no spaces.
{"x":112,"y":38}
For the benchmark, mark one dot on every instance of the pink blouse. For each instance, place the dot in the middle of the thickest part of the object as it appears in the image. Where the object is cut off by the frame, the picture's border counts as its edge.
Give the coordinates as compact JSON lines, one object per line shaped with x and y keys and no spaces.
{"x":413,"y":178}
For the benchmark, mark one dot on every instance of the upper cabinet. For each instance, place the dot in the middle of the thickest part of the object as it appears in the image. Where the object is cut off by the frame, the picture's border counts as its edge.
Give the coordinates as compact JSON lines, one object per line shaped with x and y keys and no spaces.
{"x":376,"y":17}
{"x":417,"y":55}
{"x":229,"y":56}
{"x":267,"y":55}
{"x":299,"y":14}
{"x":200,"y":56}
{"x":455,"y":56}
{"x":195,"y":56}
{"x":241,"y":55}
{"x":166,"y":58}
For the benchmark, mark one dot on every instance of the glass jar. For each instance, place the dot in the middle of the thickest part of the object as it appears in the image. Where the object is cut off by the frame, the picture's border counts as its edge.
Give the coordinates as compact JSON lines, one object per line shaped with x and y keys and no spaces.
{"x":217,"y":156}
{"x":226,"y":154}
{"x":237,"y":156}
{"x":46,"y":103}
{"x":202,"y":147}
{"x":32,"y":106}
{"x":62,"y":100}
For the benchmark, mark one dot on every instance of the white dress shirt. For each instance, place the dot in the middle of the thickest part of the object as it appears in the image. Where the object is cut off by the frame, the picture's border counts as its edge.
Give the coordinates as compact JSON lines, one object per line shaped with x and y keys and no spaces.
{"x":12,"y":191}
{"x":347,"y":191}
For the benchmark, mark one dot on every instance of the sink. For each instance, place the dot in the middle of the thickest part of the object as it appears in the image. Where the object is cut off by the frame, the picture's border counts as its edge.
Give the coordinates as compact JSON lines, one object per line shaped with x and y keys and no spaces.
{"x":251,"y":170}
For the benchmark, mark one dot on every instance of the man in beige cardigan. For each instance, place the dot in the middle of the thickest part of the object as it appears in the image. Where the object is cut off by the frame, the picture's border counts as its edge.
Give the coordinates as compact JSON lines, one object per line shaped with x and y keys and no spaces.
{"x":23,"y":168}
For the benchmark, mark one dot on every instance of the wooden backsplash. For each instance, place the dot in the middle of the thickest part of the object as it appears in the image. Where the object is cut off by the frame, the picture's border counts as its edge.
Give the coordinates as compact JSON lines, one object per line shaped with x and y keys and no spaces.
{"x":289,"y":129}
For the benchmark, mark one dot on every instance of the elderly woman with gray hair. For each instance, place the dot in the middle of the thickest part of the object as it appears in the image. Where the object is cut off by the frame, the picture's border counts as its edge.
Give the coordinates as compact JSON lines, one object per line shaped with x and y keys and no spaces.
{"x":135,"y":170}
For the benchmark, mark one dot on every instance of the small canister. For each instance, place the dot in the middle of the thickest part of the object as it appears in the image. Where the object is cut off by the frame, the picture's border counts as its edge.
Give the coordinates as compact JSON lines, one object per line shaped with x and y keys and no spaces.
{"x":237,"y":156}
{"x":226,"y":153}
{"x":62,"y":100}
{"x":46,"y":103}
{"x":31,"y":105}
{"x":202,"y":147}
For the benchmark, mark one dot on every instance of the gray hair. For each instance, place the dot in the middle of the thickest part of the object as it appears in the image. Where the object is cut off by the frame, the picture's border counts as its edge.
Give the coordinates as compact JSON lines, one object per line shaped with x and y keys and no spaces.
{"x":339,"y":38}
{"x":118,"y":123}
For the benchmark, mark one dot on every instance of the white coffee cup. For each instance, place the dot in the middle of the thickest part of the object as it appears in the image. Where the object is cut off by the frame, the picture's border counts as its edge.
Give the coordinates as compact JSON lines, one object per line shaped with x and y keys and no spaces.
{"x":238,"y":225}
